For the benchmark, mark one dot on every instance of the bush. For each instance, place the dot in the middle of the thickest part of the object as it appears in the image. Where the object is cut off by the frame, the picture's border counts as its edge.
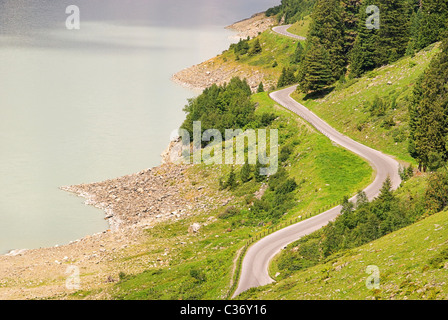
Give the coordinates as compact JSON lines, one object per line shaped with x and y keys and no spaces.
{"x":285,"y":153}
{"x":198,"y":275}
{"x":437,"y":191}
{"x":288,"y":186}
{"x":439,"y":260}
{"x":266,"y":119}
{"x":229,"y":212}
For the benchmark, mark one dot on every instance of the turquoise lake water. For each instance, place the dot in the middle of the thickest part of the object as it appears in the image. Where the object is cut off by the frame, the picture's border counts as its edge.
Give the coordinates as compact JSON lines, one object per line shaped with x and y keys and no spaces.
{"x":79,"y":106}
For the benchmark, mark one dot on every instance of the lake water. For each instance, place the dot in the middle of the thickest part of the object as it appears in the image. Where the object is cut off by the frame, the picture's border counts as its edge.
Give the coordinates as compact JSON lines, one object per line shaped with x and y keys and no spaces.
{"x":79,"y":106}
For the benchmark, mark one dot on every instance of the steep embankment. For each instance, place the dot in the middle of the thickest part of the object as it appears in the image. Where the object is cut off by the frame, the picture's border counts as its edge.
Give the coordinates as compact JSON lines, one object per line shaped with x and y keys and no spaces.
{"x":373,"y":109}
{"x":264,"y":67}
{"x":387,"y":80}
{"x":412,"y":264}
{"x":256,"y":262}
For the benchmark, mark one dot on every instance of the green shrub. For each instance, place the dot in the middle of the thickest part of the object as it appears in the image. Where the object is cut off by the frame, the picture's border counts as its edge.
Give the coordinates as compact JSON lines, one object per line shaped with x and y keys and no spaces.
{"x":439,"y":260}
{"x":229,"y":212}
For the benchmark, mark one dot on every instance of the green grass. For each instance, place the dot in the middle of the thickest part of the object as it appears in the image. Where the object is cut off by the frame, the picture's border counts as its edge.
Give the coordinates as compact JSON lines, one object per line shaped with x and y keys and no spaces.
{"x":345,"y":108}
{"x":275,"y":49}
{"x":330,"y":172}
{"x":411,"y":262}
{"x":199,"y":266}
{"x":301,"y":27}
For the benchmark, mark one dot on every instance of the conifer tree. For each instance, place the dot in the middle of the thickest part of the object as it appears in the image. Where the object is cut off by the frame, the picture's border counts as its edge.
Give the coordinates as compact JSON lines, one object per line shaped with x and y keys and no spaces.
{"x":429,"y":114}
{"x":432,"y":22}
{"x":246,"y":173}
{"x":328,"y":27}
{"x":315,"y":73}
{"x":350,"y":16}
{"x":287,"y":77}
{"x":393,"y":35}
{"x":298,"y":54}
{"x":256,"y":48}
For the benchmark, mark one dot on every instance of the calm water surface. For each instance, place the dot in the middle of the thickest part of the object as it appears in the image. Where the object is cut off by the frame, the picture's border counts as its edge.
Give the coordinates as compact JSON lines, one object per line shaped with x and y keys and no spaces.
{"x":92,"y":104}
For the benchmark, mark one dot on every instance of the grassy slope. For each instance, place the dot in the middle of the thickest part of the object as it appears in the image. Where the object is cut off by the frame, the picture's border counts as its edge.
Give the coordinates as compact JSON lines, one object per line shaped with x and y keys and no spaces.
{"x":345,"y":110}
{"x":214,"y":248}
{"x":322,"y":165}
{"x":402,"y":257}
{"x":330,"y":172}
{"x":274,"y":48}
{"x":301,"y":27}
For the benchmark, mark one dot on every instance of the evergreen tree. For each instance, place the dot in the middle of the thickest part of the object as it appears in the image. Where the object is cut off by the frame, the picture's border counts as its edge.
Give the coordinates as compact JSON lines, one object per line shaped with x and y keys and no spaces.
{"x":246,"y":173}
{"x":258,"y":176}
{"x":350,"y":16}
{"x":429,"y":114}
{"x":260,"y":88}
{"x":431,"y":22}
{"x":393,"y":35}
{"x":361,"y":199}
{"x":287,"y":77}
{"x":386,"y":191}
{"x":256,"y":48}
{"x":294,"y":10}
{"x":362,"y":55}
{"x":298,"y":54}
{"x":327,"y":27}
{"x":315,"y":73}
{"x":231,"y":181}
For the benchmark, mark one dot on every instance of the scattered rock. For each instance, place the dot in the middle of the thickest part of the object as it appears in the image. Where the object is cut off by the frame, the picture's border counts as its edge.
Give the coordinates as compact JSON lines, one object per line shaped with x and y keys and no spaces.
{"x":194,"y":228}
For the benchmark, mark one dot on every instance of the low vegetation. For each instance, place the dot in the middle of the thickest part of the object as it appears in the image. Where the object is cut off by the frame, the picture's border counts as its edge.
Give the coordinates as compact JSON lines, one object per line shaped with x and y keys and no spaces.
{"x":412,"y":264}
{"x":200,"y":265}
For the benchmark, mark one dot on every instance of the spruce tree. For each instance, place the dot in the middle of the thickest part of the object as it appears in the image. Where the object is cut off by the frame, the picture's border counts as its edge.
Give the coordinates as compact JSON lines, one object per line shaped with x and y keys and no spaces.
{"x":298,"y":54}
{"x":287,"y":77}
{"x":350,"y":16}
{"x":246,"y":173}
{"x":231,"y":181}
{"x":256,"y":48}
{"x":328,"y":27}
{"x":315,"y":73}
{"x":433,"y":21}
{"x":429,"y":114}
{"x":362,"y":55}
{"x":393,"y":35}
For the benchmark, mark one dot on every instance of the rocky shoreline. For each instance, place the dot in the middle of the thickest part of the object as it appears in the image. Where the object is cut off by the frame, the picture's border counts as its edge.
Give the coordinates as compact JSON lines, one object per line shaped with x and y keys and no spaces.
{"x":132,"y":205}
{"x":205,"y":74}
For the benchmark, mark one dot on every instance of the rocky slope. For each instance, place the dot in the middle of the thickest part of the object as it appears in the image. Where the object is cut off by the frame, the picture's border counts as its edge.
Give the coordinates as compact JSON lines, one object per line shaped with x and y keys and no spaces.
{"x":205,"y":74}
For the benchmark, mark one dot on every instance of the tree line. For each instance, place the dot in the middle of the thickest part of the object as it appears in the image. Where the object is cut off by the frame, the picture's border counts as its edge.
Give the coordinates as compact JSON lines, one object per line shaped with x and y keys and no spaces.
{"x":340,"y":43}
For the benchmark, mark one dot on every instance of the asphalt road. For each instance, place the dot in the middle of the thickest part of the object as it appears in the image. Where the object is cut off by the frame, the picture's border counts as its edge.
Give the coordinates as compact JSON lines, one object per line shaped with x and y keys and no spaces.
{"x":283,"y":30}
{"x":254,"y":271}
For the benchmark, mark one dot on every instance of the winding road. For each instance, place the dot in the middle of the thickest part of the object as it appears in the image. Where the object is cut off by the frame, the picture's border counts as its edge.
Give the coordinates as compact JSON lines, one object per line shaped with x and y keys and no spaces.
{"x":283,"y":30}
{"x":254,"y":270}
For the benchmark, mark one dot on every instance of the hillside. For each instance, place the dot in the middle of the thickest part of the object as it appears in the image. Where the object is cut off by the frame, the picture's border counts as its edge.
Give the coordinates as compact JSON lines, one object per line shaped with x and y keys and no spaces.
{"x":412,"y":262}
{"x":350,"y":107}
{"x":187,"y":243}
{"x":265,"y":67}
{"x":202,"y":268}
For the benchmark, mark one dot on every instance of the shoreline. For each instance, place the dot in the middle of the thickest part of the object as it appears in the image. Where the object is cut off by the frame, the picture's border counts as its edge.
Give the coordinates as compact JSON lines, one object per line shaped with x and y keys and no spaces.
{"x":203,"y":75}
{"x":132,"y":205}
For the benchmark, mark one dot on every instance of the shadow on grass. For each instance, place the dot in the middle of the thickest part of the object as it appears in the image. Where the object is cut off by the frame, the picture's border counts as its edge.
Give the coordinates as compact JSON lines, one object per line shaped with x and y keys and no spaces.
{"x":318,"y":94}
